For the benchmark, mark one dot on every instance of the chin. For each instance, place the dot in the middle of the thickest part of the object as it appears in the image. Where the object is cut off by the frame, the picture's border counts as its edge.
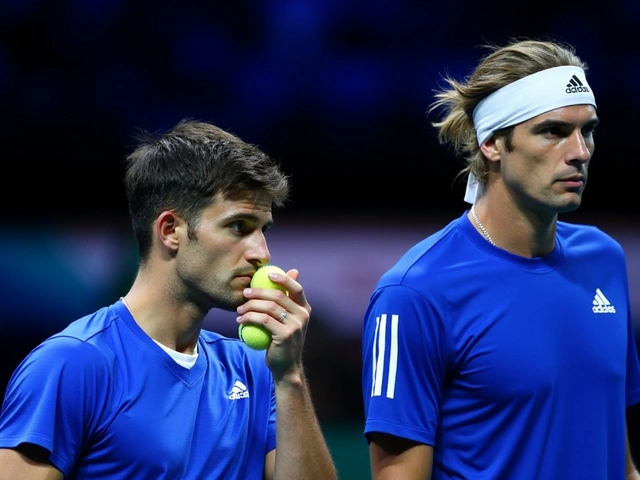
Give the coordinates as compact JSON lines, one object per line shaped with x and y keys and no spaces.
{"x":569,"y":206}
{"x":230,"y":302}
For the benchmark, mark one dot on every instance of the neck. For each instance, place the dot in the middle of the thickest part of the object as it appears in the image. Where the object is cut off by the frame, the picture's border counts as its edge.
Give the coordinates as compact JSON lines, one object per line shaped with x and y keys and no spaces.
{"x":480,"y":226}
{"x":164,"y":319}
{"x":521,"y":233}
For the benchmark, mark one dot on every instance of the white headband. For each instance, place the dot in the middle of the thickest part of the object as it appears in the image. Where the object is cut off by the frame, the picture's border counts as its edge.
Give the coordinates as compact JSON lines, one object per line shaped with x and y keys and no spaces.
{"x":524,"y":99}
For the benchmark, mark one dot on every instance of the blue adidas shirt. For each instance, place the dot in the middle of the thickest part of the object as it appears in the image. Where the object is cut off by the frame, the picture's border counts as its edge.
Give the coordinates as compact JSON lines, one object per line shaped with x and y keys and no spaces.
{"x":511,"y":367}
{"x":108,"y":402}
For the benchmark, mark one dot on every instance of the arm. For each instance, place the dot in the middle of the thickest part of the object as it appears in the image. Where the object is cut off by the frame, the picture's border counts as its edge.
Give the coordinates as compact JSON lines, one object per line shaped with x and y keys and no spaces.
{"x":302,"y":451}
{"x":27,"y":462}
{"x":393,"y":457}
{"x":43,"y":417}
{"x":404,"y":363}
{"x":301,"y":448}
{"x":632,"y":473}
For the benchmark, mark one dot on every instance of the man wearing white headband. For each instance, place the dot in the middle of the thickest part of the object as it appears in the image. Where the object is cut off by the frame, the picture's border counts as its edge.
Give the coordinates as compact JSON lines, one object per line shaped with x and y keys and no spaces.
{"x":502,"y":346}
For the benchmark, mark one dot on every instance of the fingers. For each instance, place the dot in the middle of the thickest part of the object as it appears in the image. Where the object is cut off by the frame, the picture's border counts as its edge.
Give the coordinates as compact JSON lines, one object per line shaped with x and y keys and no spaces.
{"x":286,"y":316}
{"x":265,"y":306}
{"x":293,"y":273}
{"x":295,"y":292}
{"x":259,"y":309}
{"x":290,"y":284}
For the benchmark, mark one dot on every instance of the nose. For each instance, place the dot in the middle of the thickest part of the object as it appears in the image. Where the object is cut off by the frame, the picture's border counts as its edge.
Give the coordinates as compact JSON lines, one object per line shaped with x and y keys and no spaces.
{"x":581,"y":147}
{"x":258,"y":252}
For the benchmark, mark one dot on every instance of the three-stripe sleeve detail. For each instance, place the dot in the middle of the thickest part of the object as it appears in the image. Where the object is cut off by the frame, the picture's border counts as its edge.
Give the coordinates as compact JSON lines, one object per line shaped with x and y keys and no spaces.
{"x":386,"y":338}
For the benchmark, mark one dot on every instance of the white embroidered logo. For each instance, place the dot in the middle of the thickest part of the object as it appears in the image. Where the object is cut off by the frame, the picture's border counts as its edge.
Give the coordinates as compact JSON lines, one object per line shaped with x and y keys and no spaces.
{"x":238,"y":391}
{"x":601,"y":304}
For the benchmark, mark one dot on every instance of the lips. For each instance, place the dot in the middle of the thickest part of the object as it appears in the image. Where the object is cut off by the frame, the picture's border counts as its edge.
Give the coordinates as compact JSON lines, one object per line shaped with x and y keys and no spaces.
{"x":573,"y":181}
{"x":573,"y":178}
{"x":245,"y":277}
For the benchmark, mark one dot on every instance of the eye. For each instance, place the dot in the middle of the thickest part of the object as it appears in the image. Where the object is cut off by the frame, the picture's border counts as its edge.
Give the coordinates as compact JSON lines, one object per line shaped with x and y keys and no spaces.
{"x":589,"y":131}
{"x":238,"y":227}
{"x":552,"y":131}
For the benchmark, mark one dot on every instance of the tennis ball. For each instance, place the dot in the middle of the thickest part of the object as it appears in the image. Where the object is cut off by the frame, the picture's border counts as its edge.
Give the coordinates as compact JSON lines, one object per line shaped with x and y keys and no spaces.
{"x":255,"y":336}
{"x":261,"y":278}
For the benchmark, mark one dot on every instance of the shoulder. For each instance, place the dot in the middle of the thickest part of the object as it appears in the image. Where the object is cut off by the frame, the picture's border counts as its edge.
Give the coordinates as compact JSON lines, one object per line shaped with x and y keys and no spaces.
{"x":232,"y":350}
{"x":66,"y":364}
{"x":85,"y":328}
{"x":587,"y":238}
{"x":81,"y":344}
{"x":433,"y":260}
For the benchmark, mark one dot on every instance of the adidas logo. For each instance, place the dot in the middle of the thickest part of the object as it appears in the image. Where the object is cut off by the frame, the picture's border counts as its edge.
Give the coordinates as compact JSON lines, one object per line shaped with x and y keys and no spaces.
{"x":601,"y":304}
{"x":575,"y":86}
{"x":238,"y":391}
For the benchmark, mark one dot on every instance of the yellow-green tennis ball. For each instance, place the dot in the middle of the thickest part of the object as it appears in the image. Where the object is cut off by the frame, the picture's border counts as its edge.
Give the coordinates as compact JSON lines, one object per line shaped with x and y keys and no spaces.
{"x":261,"y":278}
{"x":255,"y":336}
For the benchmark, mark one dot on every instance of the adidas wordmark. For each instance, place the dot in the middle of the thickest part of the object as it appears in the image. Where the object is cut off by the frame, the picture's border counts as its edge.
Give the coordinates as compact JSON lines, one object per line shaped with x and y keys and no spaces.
{"x":575,"y":86}
{"x":601,"y":304}
{"x":238,"y":391}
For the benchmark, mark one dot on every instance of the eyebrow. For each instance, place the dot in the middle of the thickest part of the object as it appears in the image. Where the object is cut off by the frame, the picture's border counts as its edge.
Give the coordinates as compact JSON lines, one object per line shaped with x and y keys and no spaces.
{"x":552,"y":122}
{"x":247,"y":217}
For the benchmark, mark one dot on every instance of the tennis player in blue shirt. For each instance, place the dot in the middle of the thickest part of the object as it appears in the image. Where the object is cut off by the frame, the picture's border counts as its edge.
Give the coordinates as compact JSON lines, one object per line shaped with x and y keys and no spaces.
{"x":138,"y":390}
{"x":501,"y":347}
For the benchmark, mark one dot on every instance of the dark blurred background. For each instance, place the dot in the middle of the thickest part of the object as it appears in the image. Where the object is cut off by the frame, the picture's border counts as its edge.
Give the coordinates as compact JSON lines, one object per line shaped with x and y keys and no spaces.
{"x":337,"y":91}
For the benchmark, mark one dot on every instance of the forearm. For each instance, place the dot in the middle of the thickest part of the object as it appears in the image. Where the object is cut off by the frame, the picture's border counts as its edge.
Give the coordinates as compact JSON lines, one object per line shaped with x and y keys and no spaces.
{"x":632,"y":471}
{"x":301,"y":450}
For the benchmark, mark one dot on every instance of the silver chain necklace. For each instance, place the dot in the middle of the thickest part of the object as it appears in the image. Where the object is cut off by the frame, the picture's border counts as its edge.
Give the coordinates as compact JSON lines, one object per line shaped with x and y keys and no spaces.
{"x":481,"y":227}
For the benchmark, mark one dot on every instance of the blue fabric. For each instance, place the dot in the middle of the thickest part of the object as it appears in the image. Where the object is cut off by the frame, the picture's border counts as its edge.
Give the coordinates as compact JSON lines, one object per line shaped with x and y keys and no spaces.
{"x":510,"y":367}
{"x":108,"y":402}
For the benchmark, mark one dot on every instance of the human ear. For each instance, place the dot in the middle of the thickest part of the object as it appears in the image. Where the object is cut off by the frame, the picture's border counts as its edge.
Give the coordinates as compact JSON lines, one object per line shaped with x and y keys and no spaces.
{"x":168,"y":227}
{"x":491,"y":148}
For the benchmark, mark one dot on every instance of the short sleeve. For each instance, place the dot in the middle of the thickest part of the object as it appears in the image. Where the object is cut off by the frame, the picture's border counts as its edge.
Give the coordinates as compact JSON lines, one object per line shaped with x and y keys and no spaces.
{"x":404,"y":353}
{"x":51,"y":400}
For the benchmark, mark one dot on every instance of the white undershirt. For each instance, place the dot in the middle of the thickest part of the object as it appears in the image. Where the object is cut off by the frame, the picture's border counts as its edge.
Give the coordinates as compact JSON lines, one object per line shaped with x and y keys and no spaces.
{"x":185,"y":360}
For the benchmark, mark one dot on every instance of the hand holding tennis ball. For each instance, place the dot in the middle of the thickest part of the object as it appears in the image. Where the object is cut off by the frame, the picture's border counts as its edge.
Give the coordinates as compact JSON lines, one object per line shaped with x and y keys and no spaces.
{"x":256,"y":336}
{"x":261,"y":278}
